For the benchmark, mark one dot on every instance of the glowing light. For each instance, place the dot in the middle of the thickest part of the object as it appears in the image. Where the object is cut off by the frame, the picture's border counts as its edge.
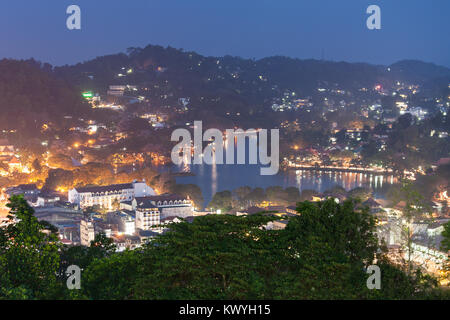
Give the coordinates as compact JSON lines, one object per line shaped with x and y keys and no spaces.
{"x":87,"y":94}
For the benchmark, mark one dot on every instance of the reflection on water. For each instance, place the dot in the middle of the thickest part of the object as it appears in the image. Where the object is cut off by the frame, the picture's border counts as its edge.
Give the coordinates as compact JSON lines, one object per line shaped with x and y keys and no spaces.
{"x":321,"y":180}
{"x":213,"y":176}
{"x":220,"y":177}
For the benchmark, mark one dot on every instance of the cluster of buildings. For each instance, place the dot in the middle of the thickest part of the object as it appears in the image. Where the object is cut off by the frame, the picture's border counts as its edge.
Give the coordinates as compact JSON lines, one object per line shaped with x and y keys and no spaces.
{"x":107,"y":196}
{"x":290,"y":101}
{"x":426,"y":234}
{"x":8,"y":159}
{"x":135,"y":212}
{"x":138,"y":220}
{"x":35,"y":197}
{"x":157,"y":120}
{"x":426,"y":237}
{"x":132,"y":212}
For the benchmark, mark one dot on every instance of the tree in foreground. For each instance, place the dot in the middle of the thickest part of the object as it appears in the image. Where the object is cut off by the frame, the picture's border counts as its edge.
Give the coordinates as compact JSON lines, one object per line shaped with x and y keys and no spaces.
{"x":29,"y":257}
{"x":322,"y":254}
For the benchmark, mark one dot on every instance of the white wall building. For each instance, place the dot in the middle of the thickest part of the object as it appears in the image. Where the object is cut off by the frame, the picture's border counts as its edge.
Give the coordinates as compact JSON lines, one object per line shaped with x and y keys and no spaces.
{"x":148,"y":215}
{"x":431,"y":259}
{"x":169,"y":205}
{"x":87,"y":232}
{"x":125,"y":221}
{"x":106,"y":196}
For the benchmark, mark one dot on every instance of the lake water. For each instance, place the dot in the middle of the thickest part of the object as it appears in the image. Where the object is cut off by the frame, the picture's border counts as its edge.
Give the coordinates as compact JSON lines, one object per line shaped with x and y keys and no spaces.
{"x":215,"y":178}
{"x":219,"y":177}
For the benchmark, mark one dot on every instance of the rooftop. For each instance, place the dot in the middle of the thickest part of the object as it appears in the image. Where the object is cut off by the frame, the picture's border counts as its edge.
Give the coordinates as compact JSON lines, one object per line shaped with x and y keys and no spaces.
{"x":27,"y":186}
{"x":110,"y":188}
{"x":371,"y":203}
{"x":147,"y":233}
{"x":163,"y":197}
{"x":145,"y":203}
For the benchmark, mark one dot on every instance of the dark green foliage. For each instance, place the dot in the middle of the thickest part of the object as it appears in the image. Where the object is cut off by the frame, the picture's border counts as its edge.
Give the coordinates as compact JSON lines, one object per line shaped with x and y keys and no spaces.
{"x":112,"y":277}
{"x":28,"y":257}
{"x":321,"y":254}
{"x":190,"y":190}
{"x":215,"y":257}
{"x":221,"y":201}
{"x":445,"y":244}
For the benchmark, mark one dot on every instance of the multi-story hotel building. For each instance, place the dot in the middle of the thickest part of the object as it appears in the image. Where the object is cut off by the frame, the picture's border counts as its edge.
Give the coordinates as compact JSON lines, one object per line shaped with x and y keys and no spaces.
{"x":169,"y":205}
{"x":106,"y":196}
{"x":147,"y":215}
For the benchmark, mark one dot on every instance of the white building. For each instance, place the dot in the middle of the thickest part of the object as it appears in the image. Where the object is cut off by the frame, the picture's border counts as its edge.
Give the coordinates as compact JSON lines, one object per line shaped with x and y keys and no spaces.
{"x":169,"y":205}
{"x":107,"y":196}
{"x":147,"y":214}
{"x":7,"y":151}
{"x":87,"y":232}
{"x":417,"y":112}
{"x":436,"y":228}
{"x":44,"y":200}
{"x":125,"y":221}
{"x":431,"y":259}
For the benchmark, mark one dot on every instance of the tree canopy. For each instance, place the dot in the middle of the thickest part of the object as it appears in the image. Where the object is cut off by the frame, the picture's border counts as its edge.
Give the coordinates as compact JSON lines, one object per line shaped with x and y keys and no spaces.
{"x":321,"y":254}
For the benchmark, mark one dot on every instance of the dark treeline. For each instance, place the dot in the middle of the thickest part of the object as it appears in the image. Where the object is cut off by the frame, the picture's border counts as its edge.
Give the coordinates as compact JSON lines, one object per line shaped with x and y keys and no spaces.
{"x":321,"y":254}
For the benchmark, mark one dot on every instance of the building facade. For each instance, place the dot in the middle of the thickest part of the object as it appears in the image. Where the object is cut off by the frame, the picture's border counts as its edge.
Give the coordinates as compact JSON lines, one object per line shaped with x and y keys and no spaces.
{"x":107,"y":196}
{"x":87,"y":232}
{"x":124,"y":220}
{"x":148,"y":216}
{"x":169,"y":205}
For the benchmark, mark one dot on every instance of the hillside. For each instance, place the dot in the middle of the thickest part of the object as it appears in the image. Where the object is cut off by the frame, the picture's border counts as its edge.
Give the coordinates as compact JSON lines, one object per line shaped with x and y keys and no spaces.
{"x":189,"y":72}
{"x":31,"y":95}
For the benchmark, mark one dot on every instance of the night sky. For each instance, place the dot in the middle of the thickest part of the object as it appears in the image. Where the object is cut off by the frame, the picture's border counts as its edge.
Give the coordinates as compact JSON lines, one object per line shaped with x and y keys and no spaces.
{"x":411,"y":29}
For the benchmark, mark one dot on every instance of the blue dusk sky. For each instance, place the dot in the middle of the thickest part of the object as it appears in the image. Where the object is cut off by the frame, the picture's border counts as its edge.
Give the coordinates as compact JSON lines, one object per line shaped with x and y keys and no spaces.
{"x":411,"y":29}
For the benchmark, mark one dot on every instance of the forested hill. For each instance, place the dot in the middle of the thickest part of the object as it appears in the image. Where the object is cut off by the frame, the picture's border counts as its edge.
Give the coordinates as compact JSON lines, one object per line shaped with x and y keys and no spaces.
{"x":419,"y":71}
{"x":191,"y":74}
{"x":31,"y":95}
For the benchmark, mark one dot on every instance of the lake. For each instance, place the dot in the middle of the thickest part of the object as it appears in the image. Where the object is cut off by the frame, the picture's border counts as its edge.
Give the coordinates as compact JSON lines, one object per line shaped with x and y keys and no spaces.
{"x":219,"y":177}
{"x":215,"y":178}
